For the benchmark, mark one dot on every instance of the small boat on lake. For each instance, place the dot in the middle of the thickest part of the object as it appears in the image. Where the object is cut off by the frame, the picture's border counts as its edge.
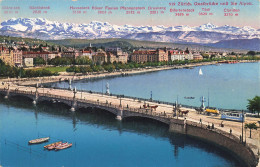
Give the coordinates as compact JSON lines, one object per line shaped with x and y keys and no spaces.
{"x":52,"y":145}
{"x":40,"y":140}
{"x":200,"y":72}
{"x":189,"y":97}
{"x":63,"y":146}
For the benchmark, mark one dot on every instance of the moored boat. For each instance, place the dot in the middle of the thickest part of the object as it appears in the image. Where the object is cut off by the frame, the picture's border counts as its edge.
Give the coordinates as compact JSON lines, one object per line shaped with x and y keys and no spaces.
{"x":40,"y":140}
{"x":63,"y":146}
{"x":53,"y":144}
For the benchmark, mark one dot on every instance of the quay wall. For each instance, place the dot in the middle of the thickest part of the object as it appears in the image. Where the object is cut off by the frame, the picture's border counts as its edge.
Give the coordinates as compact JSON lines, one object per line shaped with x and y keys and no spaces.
{"x":218,"y":137}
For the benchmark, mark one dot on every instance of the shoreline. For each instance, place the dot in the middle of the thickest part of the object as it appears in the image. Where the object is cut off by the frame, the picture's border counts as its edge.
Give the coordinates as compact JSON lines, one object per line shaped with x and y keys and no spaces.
{"x":100,"y":75}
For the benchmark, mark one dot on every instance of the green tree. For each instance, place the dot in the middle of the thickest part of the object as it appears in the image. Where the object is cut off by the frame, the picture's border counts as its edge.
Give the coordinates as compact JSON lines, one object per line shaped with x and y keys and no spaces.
{"x":254,"y":104}
{"x":39,"y":61}
{"x":251,"y":53}
{"x":83,"y":60}
{"x":251,"y":126}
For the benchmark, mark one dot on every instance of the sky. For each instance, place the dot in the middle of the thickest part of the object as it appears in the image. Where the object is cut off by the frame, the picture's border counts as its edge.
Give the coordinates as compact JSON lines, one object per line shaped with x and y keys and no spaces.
{"x":248,"y":15}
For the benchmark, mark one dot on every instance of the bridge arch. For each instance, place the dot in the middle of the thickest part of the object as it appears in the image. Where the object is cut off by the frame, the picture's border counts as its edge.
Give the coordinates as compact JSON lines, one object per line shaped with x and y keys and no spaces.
{"x":156,"y":119}
{"x":18,"y":96}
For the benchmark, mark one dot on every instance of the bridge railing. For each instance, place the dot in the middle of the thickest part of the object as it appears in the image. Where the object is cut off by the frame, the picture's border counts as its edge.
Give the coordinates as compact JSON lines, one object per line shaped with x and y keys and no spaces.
{"x":143,"y":99}
{"x":109,"y":105}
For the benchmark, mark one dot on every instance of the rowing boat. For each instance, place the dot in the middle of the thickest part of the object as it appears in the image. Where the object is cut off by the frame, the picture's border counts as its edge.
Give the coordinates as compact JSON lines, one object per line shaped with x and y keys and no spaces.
{"x":53,"y":144}
{"x":63,"y":146}
{"x":40,"y":140}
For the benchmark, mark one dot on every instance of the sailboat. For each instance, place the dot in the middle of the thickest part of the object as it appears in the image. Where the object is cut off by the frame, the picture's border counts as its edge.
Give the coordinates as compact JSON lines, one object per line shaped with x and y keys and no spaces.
{"x":200,"y":72}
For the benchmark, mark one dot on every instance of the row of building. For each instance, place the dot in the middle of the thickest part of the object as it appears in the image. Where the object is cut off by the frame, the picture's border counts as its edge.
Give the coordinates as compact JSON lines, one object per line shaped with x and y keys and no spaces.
{"x":25,"y":58}
{"x":16,"y":57}
{"x":163,"y":55}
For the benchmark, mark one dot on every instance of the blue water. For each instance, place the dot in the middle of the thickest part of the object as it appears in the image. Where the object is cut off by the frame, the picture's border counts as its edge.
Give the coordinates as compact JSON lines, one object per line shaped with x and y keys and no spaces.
{"x":226,"y":86}
{"x":98,"y":139}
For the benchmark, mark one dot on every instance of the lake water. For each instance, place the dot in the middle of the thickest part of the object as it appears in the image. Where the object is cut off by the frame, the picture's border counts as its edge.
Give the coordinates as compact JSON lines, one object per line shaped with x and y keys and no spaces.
{"x":226,"y":86}
{"x":98,"y":139}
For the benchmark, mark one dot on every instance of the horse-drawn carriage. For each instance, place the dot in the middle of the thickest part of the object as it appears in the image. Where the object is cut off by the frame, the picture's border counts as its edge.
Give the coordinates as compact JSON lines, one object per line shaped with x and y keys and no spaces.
{"x":151,"y":107}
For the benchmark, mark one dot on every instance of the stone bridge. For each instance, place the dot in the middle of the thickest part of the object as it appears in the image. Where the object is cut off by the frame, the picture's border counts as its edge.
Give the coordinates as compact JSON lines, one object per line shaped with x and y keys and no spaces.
{"x":119,"y":111}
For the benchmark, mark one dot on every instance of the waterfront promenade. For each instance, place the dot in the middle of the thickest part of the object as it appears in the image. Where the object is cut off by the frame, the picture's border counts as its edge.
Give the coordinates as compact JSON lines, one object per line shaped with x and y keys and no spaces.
{"x":73,"y":77}
{"x":129,"y":107}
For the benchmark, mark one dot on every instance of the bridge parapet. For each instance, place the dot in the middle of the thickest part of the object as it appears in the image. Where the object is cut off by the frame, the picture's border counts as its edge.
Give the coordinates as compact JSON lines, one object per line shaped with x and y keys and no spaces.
{"x":74,"y":102}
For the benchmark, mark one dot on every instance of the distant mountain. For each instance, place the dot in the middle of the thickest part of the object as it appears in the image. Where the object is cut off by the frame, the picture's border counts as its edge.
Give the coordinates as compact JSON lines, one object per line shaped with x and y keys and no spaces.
{"x":52,"y":30}
{"x":244,"y":44}
{"x":135,"y":44}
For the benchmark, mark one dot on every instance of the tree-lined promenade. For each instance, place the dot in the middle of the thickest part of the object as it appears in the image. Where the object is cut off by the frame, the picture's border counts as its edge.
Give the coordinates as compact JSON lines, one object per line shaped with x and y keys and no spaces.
{"x":85,"y":66}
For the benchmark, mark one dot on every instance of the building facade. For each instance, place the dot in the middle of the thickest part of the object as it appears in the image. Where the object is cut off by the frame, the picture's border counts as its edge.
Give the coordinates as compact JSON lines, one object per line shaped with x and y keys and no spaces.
{"x":100,"y":57}
{"x":6,"y":55}
{"x":142,"y":56}
{"x":18,"y":58}
{"x":111,"y":58}
{"x":177,"y":55}
{"x":44,"y":55}
{"x":197,"y":56}
{"x":28,"y":62}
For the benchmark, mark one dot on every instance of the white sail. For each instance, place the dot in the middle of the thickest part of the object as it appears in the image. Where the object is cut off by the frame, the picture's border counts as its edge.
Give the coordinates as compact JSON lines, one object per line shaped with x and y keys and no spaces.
{"x":200,"y":72}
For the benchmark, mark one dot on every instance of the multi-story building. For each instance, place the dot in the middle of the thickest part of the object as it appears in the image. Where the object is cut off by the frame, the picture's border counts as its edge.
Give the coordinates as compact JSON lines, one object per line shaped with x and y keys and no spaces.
{"x":142,"y":56}
{"x":174,"y":55}
{"x":197,"y":56}
{"x":18,"y":58}
{"x":6,"y":55}
{"x":100,"y":57}
{"x":44,"y":55}
{"x":188,"y":56}
{"x":111,"y":58}
{"x":115,"y":51}
{"x":162,"y":55}
{"x":120,"y":56}
{"x":88,"y":53}
{"x":71,"y":54}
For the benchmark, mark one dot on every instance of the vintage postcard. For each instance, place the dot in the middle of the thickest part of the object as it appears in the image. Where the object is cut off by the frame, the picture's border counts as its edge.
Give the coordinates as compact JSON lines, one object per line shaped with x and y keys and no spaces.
{"x":118,"y":83}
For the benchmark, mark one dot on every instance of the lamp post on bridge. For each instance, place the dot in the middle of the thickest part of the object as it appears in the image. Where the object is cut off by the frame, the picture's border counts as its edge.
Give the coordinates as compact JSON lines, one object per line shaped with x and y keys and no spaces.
{"x":74,"y":92}
{"x":107,"y":89}
{"x":8,"y":90}
{"x":175,"y":109}
{"x":120,"y":101}
{"x":36,"y":94}
{"x":74,"y":103}
{"x":242,"y":126}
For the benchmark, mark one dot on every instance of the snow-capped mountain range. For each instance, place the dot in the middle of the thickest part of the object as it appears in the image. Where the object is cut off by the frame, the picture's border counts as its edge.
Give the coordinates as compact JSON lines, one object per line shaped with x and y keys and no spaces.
{"x":52,"y":30}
